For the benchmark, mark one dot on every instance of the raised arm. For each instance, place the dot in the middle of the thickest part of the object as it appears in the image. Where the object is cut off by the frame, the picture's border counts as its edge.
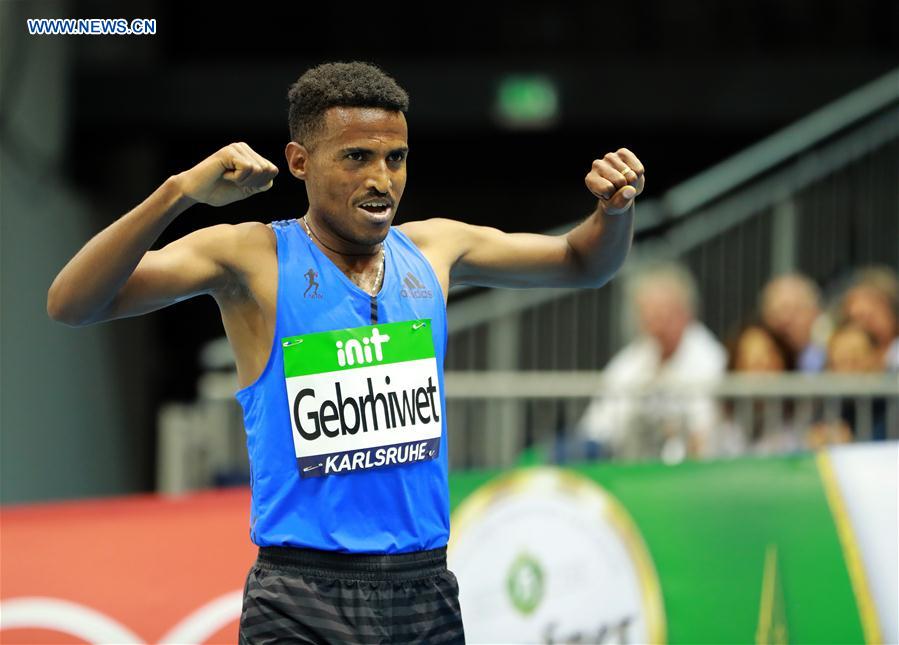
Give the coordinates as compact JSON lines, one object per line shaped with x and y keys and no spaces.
{"x":586,"y":256}
{"x":115,"y":276}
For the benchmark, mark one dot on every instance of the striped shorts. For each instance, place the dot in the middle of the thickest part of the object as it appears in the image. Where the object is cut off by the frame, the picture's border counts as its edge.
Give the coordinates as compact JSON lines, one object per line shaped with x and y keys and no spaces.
{"x":295,"y":595}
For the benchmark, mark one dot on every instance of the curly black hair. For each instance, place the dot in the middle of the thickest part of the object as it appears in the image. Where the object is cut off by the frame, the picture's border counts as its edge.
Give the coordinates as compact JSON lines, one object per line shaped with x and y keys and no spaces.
{"x":354,"y":84}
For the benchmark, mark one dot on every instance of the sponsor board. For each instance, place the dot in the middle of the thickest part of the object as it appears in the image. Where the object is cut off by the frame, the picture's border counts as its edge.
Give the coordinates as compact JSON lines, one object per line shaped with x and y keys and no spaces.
{"x":544,"y":555}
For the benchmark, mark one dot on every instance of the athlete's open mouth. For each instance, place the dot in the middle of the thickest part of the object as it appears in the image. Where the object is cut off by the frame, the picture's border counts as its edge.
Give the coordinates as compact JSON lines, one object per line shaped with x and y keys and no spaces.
{"x":375,"y":206}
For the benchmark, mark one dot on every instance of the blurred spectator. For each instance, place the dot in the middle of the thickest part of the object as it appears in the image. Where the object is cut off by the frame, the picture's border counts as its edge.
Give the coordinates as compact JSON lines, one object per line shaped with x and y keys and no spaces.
{"x":853,"y":349}
{"x":673,"y":348}
{"x":791,"y":308}
{"x":872,"y":302}
{"x":826,"y":434}
{"x":756,"y":349}
{"x":755,"y":425}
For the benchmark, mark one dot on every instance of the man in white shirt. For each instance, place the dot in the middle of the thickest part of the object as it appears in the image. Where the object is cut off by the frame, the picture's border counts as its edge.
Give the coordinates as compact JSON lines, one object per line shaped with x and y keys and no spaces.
{"x":673,"y":351}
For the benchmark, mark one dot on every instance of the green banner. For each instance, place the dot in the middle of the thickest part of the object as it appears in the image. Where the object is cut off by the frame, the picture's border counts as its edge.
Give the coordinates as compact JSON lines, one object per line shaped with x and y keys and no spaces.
{"x":746,"y":550}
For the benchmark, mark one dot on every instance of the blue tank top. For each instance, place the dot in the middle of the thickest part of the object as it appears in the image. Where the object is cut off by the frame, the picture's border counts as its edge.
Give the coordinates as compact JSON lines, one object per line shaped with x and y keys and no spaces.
{"x":346,"y":453}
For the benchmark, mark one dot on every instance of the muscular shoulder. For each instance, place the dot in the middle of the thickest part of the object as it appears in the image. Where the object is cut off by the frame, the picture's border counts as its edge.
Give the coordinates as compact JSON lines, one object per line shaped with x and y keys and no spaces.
{"x":438,"y":233}
{"x":239,"y":248}
{"x":254,"y":236}
{"x":234,"y":242}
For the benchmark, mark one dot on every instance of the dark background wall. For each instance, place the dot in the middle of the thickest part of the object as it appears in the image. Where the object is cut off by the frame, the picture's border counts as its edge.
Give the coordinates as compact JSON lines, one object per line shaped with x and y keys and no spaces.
{"x":99,"y":121}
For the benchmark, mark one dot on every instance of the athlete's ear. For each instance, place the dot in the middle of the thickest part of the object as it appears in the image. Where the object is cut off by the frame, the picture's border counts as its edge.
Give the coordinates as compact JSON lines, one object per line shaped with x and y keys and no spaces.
{"x":297,"y":159}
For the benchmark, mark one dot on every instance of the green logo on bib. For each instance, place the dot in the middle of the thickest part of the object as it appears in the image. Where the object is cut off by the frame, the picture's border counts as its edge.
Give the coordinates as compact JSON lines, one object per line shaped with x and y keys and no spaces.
{"x":357,"y":347}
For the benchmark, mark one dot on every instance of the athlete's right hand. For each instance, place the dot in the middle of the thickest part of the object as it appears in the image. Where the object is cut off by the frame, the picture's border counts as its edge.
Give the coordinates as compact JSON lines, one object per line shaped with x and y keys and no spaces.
{"x":233,"y":173}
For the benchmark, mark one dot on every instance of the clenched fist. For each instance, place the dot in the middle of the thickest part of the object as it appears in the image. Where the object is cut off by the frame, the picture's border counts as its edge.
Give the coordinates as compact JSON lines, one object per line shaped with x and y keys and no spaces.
{"x":233,"y":173}
{"x":616,"y":180}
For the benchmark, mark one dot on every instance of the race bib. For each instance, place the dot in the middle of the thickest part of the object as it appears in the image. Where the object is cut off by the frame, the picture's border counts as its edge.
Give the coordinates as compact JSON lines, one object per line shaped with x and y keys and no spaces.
{"x":363,"y":398}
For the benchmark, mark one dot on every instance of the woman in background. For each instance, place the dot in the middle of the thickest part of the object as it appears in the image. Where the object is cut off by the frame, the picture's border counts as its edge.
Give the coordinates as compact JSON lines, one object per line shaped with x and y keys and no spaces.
{"x":755,"y":350}
{"x":852,"y":349}
{"x":872,"y":303}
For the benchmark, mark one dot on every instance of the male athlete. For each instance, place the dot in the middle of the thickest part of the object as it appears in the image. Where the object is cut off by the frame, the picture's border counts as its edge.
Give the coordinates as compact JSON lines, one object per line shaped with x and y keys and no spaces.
{"x":338,"y":324}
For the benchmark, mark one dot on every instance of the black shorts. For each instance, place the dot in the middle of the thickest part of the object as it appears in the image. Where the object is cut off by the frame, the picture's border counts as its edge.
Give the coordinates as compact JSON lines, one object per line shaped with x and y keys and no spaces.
{"x":297,"y":595}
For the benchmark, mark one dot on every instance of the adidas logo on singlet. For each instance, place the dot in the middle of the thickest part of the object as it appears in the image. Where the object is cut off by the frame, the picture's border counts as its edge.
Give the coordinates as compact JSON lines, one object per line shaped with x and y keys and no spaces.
{"x":415,"y":288}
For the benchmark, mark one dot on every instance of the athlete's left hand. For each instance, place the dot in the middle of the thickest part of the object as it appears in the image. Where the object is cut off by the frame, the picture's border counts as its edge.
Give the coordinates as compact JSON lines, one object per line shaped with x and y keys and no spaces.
{"x":616,"y":180}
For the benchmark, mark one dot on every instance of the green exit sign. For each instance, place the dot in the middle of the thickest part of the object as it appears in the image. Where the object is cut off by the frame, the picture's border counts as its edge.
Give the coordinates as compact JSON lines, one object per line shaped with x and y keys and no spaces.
{"x":527,"y":101}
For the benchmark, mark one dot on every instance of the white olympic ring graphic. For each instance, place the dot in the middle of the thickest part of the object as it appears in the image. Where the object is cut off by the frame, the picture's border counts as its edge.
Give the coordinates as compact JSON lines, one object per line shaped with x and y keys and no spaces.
{"x":93,"y":626}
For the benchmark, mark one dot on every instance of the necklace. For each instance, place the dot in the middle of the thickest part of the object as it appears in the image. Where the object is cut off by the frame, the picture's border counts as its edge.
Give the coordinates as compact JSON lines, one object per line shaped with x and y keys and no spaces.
{"x":312,"y":235}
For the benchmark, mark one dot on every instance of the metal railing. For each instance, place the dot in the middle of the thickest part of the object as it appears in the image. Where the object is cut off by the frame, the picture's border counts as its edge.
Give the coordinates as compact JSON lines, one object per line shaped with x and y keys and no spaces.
{"x":494,"y":417}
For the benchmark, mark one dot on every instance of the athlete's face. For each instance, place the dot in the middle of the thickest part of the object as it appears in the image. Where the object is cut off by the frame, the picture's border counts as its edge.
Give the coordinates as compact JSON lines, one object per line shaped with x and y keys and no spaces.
{"x":358,"y":159}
